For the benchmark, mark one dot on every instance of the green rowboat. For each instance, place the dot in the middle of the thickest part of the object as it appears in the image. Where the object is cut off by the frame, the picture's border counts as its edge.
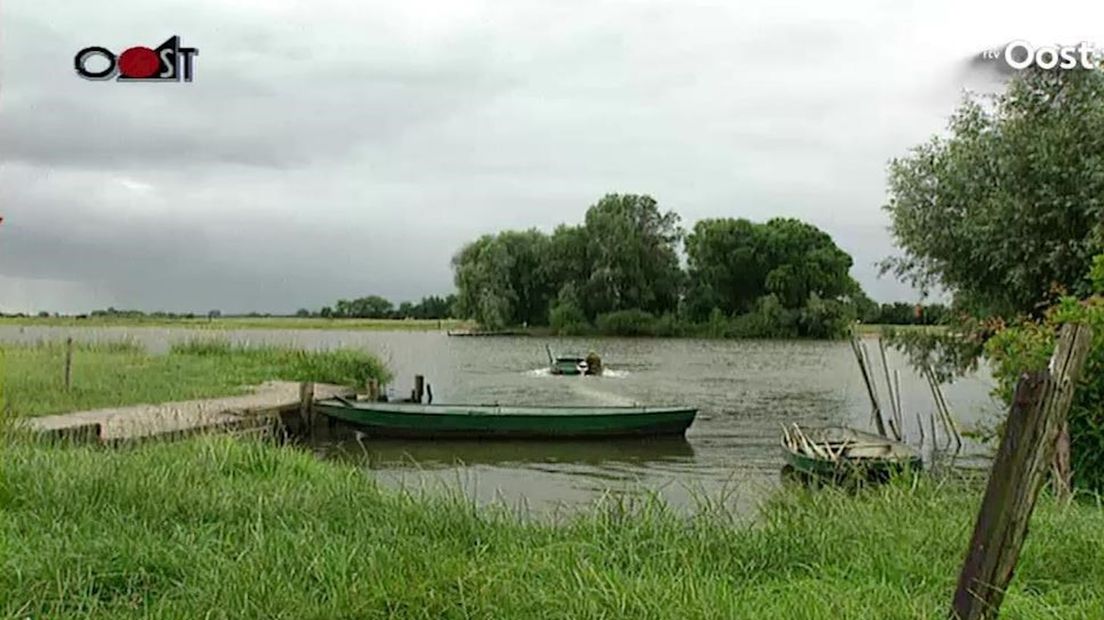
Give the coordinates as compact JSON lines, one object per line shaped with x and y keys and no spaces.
{"x":838,"y":454}
{"x":489,"y":421}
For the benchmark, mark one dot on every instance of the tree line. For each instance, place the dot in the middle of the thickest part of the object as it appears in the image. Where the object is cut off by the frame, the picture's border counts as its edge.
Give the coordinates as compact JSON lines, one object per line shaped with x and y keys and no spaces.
{"x":377,"y":307}
{"x":619,"y":272}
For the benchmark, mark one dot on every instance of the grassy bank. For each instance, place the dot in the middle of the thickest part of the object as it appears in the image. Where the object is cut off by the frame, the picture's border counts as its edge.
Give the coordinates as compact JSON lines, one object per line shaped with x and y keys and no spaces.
{"x":121,"y":373}
{"x":214,"y":527}
{"x":224,"y":323}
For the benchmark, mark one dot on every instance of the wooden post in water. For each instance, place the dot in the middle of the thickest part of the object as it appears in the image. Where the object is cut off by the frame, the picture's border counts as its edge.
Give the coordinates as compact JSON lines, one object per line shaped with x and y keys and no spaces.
{"x":1019,"y":470}
{"x":419,"y":388}
{"x":868,"y":380}
{"x":68,"y":362}
{"x":306,"y":405}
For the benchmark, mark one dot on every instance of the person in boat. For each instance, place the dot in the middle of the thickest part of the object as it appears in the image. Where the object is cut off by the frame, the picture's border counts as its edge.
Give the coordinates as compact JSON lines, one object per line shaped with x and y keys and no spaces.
{"x":593,"y":364}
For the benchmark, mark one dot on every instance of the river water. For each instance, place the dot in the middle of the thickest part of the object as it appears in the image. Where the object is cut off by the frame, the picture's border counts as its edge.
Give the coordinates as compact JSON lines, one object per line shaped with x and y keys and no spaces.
{"x":744,"y":390}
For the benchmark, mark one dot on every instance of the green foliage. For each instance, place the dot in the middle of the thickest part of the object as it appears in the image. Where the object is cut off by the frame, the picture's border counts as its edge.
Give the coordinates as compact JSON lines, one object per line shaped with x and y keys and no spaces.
{"x":213,"y":528}
{"x":733,"y":262}
{"x":632,"y":254}
{"x":567,"y":317}
{"x":632,"y":322}
{"x":824,"y":318}
{"x":370,"y":307}
{"x":1006,"y":212}
{"x":623,"y":262}
{"x":376,"y":307}
{"x":1027,"y":346}
{"x":501,"y":279}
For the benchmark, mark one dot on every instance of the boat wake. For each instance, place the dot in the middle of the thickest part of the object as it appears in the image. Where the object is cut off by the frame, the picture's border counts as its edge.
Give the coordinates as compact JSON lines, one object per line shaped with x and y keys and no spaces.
{"x":599,"y":396}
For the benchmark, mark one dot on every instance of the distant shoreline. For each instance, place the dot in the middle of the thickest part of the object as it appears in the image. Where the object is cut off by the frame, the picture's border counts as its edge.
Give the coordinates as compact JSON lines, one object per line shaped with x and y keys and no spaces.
{"x":243,"y":322}
{"x":454,"y":327}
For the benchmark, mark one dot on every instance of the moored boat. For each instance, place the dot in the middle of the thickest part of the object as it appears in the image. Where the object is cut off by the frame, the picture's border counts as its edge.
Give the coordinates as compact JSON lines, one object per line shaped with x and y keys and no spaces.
{"x":840,"y":453}
{"x":488,"y":421}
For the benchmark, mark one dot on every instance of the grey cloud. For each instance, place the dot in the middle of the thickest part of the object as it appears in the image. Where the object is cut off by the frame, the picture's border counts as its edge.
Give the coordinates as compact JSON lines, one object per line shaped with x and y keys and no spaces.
{"x":333,"y":149}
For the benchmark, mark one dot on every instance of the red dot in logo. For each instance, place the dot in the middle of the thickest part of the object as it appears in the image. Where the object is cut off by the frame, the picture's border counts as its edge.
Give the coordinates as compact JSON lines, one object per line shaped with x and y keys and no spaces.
{"x":139,"y":62}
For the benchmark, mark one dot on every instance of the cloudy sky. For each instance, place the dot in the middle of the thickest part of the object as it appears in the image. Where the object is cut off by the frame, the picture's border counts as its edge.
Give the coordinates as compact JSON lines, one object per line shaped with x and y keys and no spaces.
{"x":331,"y":150}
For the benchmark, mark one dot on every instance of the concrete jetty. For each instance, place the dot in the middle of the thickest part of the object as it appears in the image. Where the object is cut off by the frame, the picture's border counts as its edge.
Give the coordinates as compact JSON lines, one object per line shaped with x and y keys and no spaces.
{"x":263,"y":405}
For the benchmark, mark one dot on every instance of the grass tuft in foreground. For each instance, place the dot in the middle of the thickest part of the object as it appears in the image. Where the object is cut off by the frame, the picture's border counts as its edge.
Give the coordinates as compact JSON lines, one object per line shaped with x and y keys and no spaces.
{"x":214,"y":527}
{"x":109,"y":374}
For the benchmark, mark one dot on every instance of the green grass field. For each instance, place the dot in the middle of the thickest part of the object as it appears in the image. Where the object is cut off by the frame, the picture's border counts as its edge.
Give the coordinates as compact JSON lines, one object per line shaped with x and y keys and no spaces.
{"x":243,"y":323}
{"x":221,"y":528}
{"x":217,"y":527}
{"x":121,"y":373}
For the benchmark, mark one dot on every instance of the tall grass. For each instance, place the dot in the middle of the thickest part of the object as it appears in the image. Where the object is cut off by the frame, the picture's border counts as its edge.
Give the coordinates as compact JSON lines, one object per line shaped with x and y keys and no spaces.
{"x":122,"y":373}
{"x":214,"y":527}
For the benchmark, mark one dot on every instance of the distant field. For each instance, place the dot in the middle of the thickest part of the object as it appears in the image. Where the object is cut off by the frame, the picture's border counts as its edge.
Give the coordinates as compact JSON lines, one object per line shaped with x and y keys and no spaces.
{"x":244,"y":323}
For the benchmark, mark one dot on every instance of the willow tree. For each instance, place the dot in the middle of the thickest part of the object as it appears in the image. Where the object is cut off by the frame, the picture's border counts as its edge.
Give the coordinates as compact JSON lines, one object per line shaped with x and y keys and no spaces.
{"x":1005,"y":212}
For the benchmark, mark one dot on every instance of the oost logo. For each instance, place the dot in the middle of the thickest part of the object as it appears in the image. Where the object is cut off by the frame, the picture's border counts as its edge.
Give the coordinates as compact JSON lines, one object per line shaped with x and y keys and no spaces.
{"x":167,"y":62}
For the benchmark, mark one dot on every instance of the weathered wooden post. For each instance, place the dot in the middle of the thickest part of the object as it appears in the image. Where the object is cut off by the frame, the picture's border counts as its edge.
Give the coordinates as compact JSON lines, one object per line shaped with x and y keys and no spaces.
{"x":306,"y":405}
{"x":419,"y":388}
{"x":68,"y":362}
{"x":373,"y":390}
{"x":1062,"y":476}
{"x":870,"y":389}
{"x":1019,"y":470}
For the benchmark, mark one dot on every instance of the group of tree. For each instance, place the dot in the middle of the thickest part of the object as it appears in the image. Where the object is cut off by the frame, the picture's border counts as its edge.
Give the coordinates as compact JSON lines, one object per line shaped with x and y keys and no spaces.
{"x":901,"y":313}
{"x":1006,"y":213}
{"x":619,"y":271}
{"x":376,"y":307}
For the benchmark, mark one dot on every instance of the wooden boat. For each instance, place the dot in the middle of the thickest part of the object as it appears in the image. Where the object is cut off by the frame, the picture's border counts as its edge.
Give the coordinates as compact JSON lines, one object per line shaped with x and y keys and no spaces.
{"x":418,"y":420}
{"x":570,"y":365}
{"x":839,"y":453}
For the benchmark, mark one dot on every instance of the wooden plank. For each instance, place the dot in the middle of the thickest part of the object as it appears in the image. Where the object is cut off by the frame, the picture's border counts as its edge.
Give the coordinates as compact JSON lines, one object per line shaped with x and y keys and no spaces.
{"x":1018,"y":473}
{"x":271,"y":400}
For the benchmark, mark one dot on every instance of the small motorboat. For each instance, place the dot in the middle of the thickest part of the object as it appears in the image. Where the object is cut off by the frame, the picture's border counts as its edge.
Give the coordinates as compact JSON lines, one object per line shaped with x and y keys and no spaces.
{"x":840,"y":453}
{"x":572,"y":365}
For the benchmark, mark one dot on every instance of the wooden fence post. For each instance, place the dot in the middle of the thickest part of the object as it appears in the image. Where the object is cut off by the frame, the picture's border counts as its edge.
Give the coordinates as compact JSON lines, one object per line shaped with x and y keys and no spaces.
{"x":373,"y":390}
{"x":68,"y":362}
{"x":306,"y":405}
{"x":419,"y":388}
{"x":1018,"y":473}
